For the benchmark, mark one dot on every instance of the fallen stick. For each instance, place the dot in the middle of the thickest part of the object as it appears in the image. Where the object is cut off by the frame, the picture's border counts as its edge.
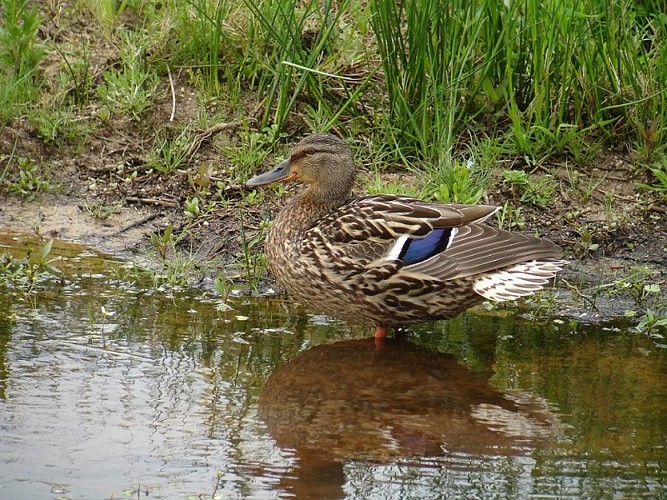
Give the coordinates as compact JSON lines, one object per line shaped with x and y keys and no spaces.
{"x":200,"y":138}
{"x":152,"y":201}
{"x":136,"y":223}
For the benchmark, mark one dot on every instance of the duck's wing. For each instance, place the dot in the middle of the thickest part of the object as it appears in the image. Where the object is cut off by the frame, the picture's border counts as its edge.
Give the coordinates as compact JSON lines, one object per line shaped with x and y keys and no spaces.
{"x":480,"y":248}
{"x":381,"y":228}
{"x":410,"y":236}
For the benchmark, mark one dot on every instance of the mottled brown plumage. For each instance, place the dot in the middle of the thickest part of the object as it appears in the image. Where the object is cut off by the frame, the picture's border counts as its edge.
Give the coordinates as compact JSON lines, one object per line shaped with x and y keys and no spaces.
{"x":388,"y":260}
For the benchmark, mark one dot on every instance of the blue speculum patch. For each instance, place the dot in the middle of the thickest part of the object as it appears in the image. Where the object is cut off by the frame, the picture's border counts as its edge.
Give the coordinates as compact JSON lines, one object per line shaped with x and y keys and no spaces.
{"x":418,"y":250}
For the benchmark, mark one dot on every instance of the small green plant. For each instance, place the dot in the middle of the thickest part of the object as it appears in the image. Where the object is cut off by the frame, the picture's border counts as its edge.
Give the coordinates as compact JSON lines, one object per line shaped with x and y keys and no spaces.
{"x":128,"y":91}
{"x":131,"y":88}
{"x":29,"y":182}
{"x":636,"y":283}
{"x":537,"y":190}
{"x":543,"y":303}
{"x":516,"y":178}
{"x":586,"y":243}
{"x":192,"y":209}
{"x":252,"y":261}
{"x":254,"y":197}
{"x":224,"y":286}
{"x":176,"y":268}
{"x":199,"y":179}
{"x":19,"y":50}
{"x":457,"y":185}
{"x":25,"y":273}
{"x":167,"y":154}
{"x":652,"y":323}
{"x":541,"y":191}
{"x":164,"y":243}
{"x":99,"y":210}
{"x":250,"y":153}
{"x":59,"y":126}
{"x":510,"y":218}
{"x":659,"y":171}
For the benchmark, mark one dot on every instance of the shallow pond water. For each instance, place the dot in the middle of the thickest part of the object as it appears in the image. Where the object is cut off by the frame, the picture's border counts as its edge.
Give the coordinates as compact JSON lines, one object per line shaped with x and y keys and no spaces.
{"x":111,"y":390}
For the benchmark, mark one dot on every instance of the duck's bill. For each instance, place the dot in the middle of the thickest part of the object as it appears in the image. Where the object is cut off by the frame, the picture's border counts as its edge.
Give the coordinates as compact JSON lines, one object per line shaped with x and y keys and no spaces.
{"x":279,"y":174}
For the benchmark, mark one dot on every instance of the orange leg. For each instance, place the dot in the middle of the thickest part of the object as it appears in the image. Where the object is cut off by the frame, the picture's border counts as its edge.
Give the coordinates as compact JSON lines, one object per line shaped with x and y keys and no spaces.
{"x":380,"y":332}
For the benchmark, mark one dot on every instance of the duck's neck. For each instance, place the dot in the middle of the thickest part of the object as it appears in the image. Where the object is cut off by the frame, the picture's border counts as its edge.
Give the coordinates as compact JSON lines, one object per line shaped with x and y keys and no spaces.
{"x":325,"y":199}
{"x":304,"y":209}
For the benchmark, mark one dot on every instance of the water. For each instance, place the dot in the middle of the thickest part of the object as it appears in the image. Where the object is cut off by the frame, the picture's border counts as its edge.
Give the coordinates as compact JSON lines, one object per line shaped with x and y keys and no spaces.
{"x":161,"y":395}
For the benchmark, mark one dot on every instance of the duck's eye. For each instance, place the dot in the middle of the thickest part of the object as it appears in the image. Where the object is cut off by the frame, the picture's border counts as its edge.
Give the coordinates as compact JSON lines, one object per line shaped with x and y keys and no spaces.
{"x":302,"y":153}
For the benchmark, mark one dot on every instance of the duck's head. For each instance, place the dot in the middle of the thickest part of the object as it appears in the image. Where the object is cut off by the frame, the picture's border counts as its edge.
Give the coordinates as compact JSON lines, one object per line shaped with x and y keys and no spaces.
{"x":323,"y":161}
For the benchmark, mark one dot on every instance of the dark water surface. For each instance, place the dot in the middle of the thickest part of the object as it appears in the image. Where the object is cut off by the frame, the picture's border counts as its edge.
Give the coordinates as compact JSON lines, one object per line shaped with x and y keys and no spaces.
{"x":161,"y":395}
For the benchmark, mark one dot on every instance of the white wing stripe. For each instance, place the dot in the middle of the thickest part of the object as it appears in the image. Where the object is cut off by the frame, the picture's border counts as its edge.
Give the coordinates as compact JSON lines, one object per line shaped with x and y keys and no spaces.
{"x":395,"y":250}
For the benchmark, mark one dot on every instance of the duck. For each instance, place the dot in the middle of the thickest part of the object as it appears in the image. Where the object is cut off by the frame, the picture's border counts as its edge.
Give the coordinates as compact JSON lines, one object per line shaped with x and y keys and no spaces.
{"x":387,"y":260}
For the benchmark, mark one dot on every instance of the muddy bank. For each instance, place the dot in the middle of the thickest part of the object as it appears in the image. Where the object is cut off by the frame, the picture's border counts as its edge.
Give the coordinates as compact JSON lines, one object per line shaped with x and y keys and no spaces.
{"x":604,"y":284}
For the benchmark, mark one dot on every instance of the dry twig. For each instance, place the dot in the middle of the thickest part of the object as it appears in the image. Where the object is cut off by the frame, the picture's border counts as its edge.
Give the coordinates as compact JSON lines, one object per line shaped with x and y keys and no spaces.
{"x":173,"y":95}
{"x":139,"y":222}
{"x":152,"y":201}
{"x":200,"y":138}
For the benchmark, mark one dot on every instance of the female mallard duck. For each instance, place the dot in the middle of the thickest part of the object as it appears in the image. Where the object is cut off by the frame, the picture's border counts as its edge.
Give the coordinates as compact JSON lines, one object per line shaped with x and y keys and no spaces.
{"x":387,"y":260}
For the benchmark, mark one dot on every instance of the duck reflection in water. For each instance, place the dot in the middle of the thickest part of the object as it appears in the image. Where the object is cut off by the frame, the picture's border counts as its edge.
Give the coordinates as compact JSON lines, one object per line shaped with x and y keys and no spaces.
{"x":351,"y":401}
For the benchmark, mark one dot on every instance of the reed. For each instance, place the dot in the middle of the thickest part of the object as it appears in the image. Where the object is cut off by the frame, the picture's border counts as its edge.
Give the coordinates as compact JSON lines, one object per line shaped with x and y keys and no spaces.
{"x":542,"y":75}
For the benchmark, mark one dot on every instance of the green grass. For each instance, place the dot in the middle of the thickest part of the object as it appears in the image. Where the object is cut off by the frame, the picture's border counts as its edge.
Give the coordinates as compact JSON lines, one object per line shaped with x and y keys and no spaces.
{"x":20,"y":51}
{"x":250,"y":153}
{"x":130,"y":89}
{"x":442,"y":88}
{"x":545,"y":77}
{"x":537,"y":189}
{"x":20,"y":55}
{"x":58,"y":124}
{"x":427,"y":56}
{"x":169,"y":153}
{"x":545,"y":74}
{"x":203,"y":39}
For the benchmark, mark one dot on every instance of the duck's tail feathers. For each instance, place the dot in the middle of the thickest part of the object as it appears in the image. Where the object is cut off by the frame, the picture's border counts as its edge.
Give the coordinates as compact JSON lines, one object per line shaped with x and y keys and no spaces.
{"x":518,"y":280}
